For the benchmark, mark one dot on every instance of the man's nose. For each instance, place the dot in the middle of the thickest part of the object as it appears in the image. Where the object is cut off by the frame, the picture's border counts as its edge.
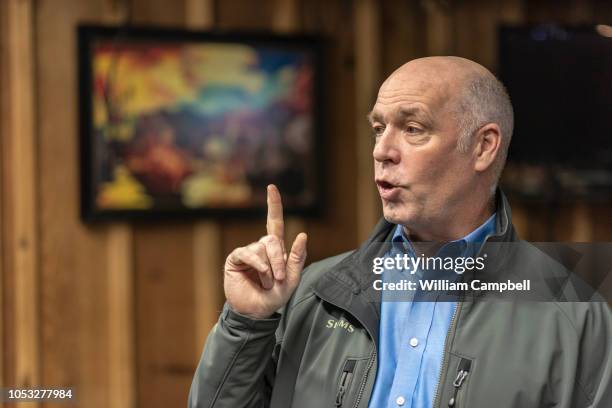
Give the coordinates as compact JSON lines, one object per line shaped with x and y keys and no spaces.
{"x":385,"y":149}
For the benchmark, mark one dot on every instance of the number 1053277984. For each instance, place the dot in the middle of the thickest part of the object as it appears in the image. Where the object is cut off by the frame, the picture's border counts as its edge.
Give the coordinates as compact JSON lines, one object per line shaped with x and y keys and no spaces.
{"x":36,"y":394}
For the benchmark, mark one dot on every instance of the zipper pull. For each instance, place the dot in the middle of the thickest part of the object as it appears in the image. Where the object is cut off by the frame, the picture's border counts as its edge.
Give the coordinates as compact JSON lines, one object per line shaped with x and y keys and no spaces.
{"x":463,"y":370}
{"x":347,"y":374}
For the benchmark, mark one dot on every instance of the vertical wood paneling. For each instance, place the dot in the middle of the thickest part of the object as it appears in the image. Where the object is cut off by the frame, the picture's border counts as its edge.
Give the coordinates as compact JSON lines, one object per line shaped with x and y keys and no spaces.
{"x":158,"y":12}
{"x":200,"y":14}
{"x":285,"y":17}
{"x":165,"y":314}
{"x":208,"y":280}
{"x":520,"y":220}
{"x":4,"y":166}
{"x":403,"y":25}
{"x":245,"y":14}
{"x":367,"y":81}
{"x":3,"y":156}
{"x":73,"y":267}
{"x":122,"y":381}
{"x":581,"y":222}
{"x":602,"y":222}
{"x":440,"y":28}
{"x":23,"y":194}
{"x":476,"y":32}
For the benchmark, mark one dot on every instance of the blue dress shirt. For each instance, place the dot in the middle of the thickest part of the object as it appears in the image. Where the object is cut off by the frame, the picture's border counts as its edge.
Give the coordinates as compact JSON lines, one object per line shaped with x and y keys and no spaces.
{"x":413,"y":333}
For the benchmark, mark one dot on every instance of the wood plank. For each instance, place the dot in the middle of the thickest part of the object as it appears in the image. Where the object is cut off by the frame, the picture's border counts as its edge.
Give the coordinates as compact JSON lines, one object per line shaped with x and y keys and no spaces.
{"x":208,"y":280}
{"x":245,"y":14}
{"x":158,"y":12}
{"x":3,"y":190}
{"x":121,"y":322}
{"x":581,"y":222}
{"x":166,"y":313}
{"x":367,"y":81}
{"x":285,"y":16}
{"x":520,"y":219}
{"x":440,"y":27}
{"x":200,"y":14}
{"x":23,"y":194}
{"x":73,"y":260}
{"x":601,"y":217}
{"x":404,"y":32}
{"x":475,"y":34}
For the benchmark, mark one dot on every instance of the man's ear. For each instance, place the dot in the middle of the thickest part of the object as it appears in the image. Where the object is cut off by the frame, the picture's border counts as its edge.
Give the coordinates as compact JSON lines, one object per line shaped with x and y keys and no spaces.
{"x":486,"y":148}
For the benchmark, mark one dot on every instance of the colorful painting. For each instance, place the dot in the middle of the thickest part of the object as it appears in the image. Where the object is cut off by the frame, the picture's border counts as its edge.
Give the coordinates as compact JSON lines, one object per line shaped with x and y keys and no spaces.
{"x":184,"y":125}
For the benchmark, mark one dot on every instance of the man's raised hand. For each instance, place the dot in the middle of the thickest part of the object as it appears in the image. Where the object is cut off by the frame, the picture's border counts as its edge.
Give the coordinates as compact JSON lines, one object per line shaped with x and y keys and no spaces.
{"x":261,"y":277}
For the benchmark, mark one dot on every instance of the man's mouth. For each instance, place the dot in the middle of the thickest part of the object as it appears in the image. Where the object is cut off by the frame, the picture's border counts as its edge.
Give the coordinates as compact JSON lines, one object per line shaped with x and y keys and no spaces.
{"x":387,"y":190}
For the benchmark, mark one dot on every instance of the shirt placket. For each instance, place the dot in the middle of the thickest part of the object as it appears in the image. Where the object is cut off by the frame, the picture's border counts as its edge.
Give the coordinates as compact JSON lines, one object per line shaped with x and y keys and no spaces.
{"x":415,"y":318}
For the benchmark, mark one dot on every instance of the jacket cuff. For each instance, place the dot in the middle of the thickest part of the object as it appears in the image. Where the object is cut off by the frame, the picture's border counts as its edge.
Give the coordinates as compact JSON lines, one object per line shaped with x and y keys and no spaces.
{"x":240,"y":321}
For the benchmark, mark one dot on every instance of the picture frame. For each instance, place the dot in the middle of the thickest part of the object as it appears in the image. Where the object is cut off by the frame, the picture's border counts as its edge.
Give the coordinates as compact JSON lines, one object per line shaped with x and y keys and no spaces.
{"x":180,"y":124}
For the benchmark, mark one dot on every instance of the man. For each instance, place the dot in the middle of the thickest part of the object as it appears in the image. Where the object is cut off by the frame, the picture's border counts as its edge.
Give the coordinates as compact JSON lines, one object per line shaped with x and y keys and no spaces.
{"x":442,"y":126}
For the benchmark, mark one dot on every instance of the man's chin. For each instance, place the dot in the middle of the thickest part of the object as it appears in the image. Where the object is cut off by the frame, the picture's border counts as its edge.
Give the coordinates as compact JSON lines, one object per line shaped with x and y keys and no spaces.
{"x":397,"y":215}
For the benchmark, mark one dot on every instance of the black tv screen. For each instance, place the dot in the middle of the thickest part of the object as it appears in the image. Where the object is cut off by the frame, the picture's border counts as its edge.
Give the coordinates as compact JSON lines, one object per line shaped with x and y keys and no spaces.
{"x":560,"y":82}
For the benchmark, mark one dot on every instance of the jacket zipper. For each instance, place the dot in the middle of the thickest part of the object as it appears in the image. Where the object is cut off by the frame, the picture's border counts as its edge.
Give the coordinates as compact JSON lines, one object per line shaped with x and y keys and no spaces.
{"x":447,"y":345}
{"x":372,"y":358}
{"x":345,"y":380}
{"x":463,"y":370}
{"x":365,"y":379}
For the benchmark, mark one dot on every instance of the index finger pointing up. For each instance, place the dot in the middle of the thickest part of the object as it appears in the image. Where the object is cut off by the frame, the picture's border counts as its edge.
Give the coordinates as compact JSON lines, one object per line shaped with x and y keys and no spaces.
{"x":275,"y":224}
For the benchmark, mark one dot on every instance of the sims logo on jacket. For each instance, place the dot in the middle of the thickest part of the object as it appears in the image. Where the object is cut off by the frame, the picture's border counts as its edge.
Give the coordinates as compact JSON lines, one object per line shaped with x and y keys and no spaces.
{"x":333,"y":324}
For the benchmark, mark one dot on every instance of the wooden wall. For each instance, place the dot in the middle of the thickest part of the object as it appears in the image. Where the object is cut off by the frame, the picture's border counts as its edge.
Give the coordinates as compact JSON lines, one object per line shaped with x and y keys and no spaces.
{"x":120,"y":312}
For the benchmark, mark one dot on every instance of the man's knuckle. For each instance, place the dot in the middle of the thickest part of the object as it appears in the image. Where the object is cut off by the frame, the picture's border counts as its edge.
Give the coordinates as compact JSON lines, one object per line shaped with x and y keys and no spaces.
{"x":267,"y":239}
{"x":295,"y":257}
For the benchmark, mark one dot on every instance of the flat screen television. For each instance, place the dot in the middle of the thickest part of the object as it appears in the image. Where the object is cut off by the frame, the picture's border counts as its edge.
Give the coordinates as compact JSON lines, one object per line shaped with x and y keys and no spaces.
{"x":560,"y":81}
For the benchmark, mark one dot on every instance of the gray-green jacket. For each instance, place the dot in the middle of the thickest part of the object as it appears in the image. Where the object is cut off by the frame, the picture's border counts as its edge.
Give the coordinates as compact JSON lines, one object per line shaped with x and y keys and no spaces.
{"x":320,"y":351}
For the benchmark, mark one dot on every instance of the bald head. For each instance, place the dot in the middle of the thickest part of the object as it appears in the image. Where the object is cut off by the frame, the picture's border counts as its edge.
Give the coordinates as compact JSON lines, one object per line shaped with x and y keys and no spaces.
{"x":441,"y":127}
{"x":448,"y":70}
{"x":468,"y":90}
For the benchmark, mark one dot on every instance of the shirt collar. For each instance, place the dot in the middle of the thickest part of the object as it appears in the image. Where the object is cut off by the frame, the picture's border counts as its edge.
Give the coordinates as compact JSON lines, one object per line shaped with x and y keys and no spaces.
{"x":478,"y":236}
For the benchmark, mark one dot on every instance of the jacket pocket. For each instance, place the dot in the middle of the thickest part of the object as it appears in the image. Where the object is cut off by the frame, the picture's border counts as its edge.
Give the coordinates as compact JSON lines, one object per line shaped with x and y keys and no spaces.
{"x":346,"y":378}
{"x":459,"y":384}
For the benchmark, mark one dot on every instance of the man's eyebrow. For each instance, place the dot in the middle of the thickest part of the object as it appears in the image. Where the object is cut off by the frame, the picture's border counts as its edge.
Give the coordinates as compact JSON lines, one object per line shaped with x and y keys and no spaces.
{"x":402,"y":113}
{"x":373,"y":117}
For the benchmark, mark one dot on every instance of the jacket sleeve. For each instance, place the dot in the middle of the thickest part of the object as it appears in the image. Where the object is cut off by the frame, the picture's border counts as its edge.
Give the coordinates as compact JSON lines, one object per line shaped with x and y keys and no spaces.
{"x":238,"y":363}
{"x":595,"y":368}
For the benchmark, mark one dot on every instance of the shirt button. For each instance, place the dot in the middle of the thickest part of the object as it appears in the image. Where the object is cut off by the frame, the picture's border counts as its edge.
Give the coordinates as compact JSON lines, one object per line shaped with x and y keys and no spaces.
{"x":400,"y":401}
{"x":414,"y":342}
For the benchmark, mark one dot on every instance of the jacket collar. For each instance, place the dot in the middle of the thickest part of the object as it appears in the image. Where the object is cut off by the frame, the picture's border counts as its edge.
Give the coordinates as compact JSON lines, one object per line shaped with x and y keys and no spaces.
{"x":349,"y":284}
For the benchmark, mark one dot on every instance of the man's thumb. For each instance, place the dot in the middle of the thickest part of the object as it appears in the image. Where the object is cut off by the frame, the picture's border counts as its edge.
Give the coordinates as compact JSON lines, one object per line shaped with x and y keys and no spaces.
{"x":297,"y":257}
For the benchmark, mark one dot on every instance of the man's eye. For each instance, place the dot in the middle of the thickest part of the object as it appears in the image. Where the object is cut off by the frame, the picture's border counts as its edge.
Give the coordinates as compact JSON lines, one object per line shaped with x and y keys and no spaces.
{"x":378,"y":130}
{"x":413,"y":130}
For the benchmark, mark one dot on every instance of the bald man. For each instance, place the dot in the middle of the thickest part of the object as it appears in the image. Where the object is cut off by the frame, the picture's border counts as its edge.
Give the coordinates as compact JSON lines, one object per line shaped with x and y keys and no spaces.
{"x":341,"y":333}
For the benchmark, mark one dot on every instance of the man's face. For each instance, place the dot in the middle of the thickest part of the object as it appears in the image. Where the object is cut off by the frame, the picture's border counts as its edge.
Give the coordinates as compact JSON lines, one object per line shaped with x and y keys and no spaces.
{"x":421,"y":176}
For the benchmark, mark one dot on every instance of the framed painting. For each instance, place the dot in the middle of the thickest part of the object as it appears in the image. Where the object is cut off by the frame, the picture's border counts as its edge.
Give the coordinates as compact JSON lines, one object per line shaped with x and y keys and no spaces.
{"x":182,"y":124}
